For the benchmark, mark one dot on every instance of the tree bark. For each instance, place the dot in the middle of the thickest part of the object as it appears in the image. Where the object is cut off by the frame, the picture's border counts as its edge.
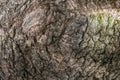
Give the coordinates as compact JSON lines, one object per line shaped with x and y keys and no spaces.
{"x":59,"y":40}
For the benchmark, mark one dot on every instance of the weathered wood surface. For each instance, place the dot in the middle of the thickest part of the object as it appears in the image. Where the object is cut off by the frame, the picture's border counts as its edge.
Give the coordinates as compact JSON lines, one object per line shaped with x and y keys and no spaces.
{"x":59,"y":40}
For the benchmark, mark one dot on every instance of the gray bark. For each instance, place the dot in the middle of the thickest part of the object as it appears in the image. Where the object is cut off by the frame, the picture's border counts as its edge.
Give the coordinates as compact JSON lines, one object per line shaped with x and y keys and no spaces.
{"x":56,"y":40}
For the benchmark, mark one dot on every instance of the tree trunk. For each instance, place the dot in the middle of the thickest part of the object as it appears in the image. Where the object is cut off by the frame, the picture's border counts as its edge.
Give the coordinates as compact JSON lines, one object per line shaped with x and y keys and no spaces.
{"x":59,"y":40}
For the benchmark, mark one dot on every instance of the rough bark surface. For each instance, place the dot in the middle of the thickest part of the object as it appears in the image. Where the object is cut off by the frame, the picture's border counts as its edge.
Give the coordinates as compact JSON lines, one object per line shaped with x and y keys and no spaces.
{"x":59,"y":40}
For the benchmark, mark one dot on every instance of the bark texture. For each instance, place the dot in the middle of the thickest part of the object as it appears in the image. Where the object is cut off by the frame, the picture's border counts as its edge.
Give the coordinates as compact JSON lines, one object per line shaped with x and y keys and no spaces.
{"x":59,"y":40}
